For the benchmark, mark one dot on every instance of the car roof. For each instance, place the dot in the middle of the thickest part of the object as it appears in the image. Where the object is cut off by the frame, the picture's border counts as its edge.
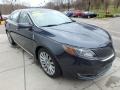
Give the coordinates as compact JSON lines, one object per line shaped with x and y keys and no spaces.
{"x":35,"y":9}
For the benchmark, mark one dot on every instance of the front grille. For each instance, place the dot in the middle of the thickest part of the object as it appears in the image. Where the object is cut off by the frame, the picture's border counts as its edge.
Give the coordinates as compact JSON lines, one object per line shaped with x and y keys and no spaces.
{"x":103,"y":52}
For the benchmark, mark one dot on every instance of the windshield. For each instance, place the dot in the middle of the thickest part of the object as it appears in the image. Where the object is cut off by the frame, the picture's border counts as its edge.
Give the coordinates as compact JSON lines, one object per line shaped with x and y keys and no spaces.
{"x":47,"y":18}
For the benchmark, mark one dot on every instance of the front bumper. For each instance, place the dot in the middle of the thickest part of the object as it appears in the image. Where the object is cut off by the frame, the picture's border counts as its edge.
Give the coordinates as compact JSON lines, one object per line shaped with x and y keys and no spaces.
{"x":94,"y":76}
{"x":84,"y":69}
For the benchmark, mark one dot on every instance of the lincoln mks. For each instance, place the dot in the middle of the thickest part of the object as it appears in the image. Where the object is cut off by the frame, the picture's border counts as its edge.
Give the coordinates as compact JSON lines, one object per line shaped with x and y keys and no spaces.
{"x":61,"y":45}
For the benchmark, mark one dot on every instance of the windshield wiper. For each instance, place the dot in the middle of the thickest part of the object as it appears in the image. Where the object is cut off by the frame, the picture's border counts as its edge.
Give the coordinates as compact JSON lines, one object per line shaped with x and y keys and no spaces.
{"x":50,"y":25}
{"x":67,"y":22}
{"x":57,"y":24}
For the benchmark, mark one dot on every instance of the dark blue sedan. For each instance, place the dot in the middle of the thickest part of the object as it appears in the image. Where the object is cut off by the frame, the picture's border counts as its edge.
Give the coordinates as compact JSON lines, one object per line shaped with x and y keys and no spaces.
{"x":69,"y":13}
{"x":61,"y":45}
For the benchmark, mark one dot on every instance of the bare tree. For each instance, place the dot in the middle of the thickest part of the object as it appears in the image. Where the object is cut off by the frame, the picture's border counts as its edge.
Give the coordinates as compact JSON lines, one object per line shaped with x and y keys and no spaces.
{"x":50,"y":5}
{"x":85,"y":4}
{"x":6,"y":8}
{"x":116,"y":3}
{"x":106,"y":6}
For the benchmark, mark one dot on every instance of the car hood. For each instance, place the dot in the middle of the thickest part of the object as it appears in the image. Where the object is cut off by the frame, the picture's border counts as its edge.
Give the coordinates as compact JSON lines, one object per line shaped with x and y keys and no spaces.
{"x":79,"y":35}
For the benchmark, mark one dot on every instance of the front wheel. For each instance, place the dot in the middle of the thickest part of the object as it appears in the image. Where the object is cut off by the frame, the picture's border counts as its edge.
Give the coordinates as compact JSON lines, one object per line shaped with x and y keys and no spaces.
{"x":11,"y":41}
{"x":48,"y":63}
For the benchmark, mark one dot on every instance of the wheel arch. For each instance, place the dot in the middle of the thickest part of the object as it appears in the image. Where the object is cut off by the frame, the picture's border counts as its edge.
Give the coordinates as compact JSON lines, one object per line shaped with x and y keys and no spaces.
{"x":36,"y":55}
{"x":36,"y":51}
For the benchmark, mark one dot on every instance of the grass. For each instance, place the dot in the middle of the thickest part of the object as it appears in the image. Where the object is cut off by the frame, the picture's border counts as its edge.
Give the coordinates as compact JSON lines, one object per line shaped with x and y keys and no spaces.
{"x":102,"y":13}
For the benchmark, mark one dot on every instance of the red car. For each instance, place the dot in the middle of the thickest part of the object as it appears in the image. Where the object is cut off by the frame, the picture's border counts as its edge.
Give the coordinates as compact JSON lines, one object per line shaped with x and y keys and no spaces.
{"x":84,"y":14}
{"x":77,"y":13}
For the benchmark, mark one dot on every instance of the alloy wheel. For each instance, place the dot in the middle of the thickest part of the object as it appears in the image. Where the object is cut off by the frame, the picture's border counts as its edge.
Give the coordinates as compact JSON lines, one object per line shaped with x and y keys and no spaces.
{"x":47,"y":63}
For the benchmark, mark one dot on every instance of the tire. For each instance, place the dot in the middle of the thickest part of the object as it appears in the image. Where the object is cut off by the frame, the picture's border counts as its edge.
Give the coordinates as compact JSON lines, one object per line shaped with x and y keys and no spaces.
{"x":48,"y":64}
{"x":11,"y":41}
{"x":88,"y":16}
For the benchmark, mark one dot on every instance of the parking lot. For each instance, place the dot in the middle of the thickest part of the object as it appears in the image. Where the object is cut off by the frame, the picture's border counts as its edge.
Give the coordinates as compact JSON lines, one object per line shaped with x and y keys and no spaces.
{"x":19,"y":72}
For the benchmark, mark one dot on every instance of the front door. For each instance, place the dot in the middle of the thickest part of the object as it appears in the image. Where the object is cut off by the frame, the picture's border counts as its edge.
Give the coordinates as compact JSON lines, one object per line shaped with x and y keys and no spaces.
{"x":25,"y":34}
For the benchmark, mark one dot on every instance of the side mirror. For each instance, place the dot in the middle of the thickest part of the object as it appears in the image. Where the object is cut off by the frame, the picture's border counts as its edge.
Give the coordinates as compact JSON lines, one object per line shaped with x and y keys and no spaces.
{"x":24,"y":25}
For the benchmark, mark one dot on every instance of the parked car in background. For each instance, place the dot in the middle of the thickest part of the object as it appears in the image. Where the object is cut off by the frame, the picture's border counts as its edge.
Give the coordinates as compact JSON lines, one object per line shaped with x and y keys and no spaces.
{"x":61,"y":45}
{"x":77,"y":13}
{"x":69,"y":13}
{"x":88,"y":14}
{"x":1,"y":19}
{"x":5,"y":17}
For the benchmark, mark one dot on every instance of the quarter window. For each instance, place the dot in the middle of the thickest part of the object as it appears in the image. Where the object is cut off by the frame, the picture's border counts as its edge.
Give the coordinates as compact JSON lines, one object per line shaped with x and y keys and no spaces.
{"x":14,"y":16}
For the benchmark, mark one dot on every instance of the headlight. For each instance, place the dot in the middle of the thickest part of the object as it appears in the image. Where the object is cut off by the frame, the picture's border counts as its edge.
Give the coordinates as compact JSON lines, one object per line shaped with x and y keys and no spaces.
{"x":80,"y":52}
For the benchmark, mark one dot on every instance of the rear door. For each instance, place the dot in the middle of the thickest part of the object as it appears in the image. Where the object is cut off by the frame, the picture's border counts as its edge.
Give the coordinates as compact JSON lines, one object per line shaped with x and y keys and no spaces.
{"x":12,"y":23}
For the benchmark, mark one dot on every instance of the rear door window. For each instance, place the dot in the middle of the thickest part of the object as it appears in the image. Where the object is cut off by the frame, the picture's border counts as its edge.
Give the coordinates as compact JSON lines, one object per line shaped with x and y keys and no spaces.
{"x":14,"y":16}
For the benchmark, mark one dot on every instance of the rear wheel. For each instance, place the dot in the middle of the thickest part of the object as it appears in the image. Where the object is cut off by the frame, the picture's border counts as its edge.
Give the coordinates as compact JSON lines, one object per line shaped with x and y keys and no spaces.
{"x":88,"y":16}
{"x":48,"y":63}
{"x":11,"y":41}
